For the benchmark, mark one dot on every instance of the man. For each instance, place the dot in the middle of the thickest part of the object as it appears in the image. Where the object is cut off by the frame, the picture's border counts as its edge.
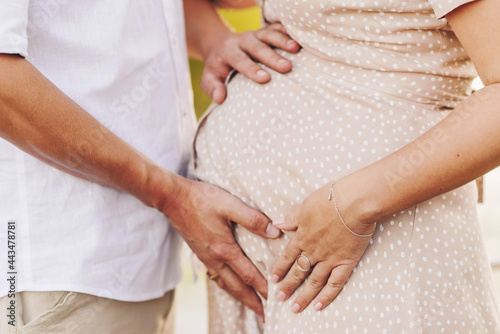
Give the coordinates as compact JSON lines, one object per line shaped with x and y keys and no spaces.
{"x":96,"y":117}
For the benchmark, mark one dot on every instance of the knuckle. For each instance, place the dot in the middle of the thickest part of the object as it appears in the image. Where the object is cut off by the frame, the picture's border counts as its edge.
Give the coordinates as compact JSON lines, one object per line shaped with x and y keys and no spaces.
{"x":315,"y":283}
{"x":290,"y":219}
{"x":236,"y":291}
{"x":328,"y":296}
{"x":302,"y":301}
{"x":248,"y":279}
{"x":261,"y":46}
{"x":228,"y":43}
{"x":286,"y":289}
{"x":287,"y":257}
{"x":248,"y":35}
{"x":239,"y":57}
{"x":296,"y":275}
{"x":335,"y":285}
{"x":254,"y":222}
{"x":220,"y":252}
{"x":222,"y":284}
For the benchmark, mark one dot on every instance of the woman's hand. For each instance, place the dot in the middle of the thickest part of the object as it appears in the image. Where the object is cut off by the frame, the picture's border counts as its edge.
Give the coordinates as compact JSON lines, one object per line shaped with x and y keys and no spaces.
{"x":241,"y":52}
{"x":333,"y":251}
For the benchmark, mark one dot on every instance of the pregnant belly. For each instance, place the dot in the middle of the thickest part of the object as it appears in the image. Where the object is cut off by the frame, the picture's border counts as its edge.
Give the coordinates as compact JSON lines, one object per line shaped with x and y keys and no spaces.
{"x":282,"y":140}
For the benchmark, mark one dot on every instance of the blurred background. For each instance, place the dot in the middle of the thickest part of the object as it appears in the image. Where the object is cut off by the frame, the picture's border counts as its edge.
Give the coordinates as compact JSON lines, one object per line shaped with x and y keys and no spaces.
{"x":191,"y":305}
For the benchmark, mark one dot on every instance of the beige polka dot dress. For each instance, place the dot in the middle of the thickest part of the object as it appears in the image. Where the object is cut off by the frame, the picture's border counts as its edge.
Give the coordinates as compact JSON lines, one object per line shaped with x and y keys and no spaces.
{"x":372,"y":76}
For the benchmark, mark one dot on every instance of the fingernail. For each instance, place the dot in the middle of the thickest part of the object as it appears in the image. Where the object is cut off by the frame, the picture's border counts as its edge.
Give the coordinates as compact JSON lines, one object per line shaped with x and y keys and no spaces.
{"x":280,"y":296}
{"x":295,"y":308}
{"x":262,"y":73}
{"x":275,"y":278}
{"x":271,"y":231}
{"x":279,"y":222}
{"x":318,"y":306}
{"x":291,"y":42}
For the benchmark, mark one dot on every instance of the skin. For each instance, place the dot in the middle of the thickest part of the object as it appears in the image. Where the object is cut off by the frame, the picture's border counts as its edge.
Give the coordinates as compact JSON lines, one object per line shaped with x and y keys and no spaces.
{"x":468,"y":146}
{"x":41,"y":120}
{"x":223,"y":50}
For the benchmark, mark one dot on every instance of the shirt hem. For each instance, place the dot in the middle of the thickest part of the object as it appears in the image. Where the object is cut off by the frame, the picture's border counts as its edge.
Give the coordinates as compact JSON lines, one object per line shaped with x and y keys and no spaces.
{"x":101,"y":292}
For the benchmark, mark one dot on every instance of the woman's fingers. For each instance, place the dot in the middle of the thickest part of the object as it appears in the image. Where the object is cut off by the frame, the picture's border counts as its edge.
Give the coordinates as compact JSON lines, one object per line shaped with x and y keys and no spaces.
{"x":336,"y":281}
{"x":296,"y":275}
{"x":288,"y":223}
{"x":285,"y":261}
{"x":314,"y":284}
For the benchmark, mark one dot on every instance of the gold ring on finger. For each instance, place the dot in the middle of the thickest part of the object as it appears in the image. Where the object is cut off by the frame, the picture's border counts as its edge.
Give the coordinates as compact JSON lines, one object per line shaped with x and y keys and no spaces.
{"x":212,"y":277}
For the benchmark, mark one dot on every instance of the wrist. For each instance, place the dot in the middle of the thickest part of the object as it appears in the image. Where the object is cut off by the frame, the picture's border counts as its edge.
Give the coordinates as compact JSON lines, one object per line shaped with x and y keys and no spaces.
{"x":357,"y":205}
{"x":162,"y":189}
{"x":214,"y":39}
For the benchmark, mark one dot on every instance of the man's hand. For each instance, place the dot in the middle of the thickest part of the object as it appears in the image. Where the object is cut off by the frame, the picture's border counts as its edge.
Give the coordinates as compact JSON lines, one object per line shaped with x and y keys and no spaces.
{"x":241,"y":52}
{"x":203,"y":214}
{"x":210,"y":40}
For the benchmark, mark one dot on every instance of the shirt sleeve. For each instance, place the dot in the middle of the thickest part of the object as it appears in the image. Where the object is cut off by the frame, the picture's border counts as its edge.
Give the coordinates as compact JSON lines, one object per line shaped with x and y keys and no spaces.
{"x":13,"y":27}
{"x":443,"y":7}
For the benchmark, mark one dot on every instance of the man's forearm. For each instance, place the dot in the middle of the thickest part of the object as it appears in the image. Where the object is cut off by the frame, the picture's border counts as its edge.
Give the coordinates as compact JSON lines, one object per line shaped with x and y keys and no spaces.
{"x":203,"y":26}
{"x":42,"y":121}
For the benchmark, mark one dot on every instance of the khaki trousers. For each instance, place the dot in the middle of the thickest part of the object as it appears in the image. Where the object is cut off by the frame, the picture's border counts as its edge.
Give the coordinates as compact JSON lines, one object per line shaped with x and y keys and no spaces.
{"x":63,"y":312}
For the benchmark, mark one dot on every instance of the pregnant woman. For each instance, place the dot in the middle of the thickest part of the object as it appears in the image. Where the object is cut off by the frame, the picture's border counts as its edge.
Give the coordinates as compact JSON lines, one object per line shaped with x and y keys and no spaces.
{"x":364,"y":155}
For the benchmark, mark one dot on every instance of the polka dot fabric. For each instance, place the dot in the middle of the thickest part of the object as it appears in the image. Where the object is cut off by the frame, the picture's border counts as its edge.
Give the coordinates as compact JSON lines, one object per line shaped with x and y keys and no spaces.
{"x":372,"y":76}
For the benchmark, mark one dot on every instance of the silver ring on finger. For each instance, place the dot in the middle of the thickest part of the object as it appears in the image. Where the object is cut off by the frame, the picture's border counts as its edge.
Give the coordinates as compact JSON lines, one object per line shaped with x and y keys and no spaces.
{"x":309,"y":263}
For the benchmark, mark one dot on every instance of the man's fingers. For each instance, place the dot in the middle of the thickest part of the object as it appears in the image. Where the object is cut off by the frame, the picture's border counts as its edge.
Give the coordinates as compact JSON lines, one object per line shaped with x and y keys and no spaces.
{"x":278,"y":38}
{"x":252,"y":220}
{"x":277,"y":26}
{"x":260,"y":51}
{"x":236,"y":56}
{"x":336,"y":282}
{"x":314,"y":284}
{"x":231,"y":282}
{"x":242,"y":54}
{"x":247,"y":272}
{"x":212,"y":84}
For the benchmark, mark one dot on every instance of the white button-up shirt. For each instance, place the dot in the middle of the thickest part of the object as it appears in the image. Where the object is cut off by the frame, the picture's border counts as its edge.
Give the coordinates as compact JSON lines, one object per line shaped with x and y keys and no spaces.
{"x":124,"y":62}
